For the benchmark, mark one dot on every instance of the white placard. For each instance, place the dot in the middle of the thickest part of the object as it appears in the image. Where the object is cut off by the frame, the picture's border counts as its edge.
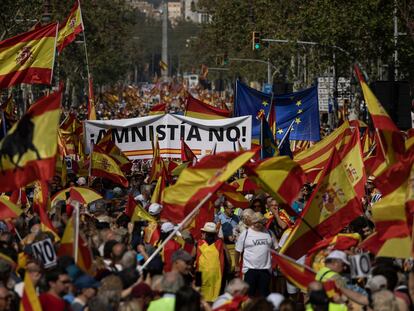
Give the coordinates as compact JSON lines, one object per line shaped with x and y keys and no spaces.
{"x":45,"y":251}
{"x":133,"y":136}
{"x":360,"y":265}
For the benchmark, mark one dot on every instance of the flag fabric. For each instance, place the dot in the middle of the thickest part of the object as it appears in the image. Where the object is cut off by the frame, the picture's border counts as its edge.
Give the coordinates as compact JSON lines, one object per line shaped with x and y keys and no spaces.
{"x":284,"y":147}
{"x":391,"y":214}
{"x":67,"y":248}
{"x":109,"y":147}
{"x":29,"y":301}
{"x":236,"y":198}
{"x":71,"y":27}
{"x":91,"y":101}
{"x":102,"y":165}
{"x":157,"y":109}
{"x":195,"y":108}
{"x":136,"y":212}
{"x":163,"y":65}
{"x":299,"y":145}
{"x":41,"y":204}
{"x":187,"y":155}
{"x":158,"y":166}
{"x":8,"y":106}
{"x":8,"y":209}
{"x":267,"y":142}
{"x":279,"y":176}
{"x":390,"y":141}
{"x":195,"y":182}
{"x":332,"y":206}
{"x":297,"y":274}
{"x":158,"y":192}
{"x":28,"y":57}
{"x":300,"y":107}
{"x":245,"y":185}
{"x":28,"y":152}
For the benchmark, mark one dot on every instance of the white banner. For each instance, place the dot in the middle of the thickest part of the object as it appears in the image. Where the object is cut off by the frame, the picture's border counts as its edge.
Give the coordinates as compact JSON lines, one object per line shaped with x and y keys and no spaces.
{"x":133,"y":136}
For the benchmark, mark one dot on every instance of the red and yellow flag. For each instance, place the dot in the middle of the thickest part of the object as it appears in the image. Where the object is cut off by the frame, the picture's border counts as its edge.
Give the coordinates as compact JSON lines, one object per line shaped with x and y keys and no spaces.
{"x":158,"y":192}
{"x":109,"y":147}
{"x":30,"y":301}
{"x":91,"y":101}
{"x":41,"y":204}
{"x":102,"y":165}
{"x":195,"y":182}
{"x":67,"y":248}
{"x":8,"y":209}
{"x":28,"y":152}
{"x":28,"y":57}
{"x":299,"y":275}
{"x":187,"y":155}
{"x":332,"y":206}
{"x":198,"y":109}
{"x":158,"y":167}
{"x":71,"y":27}
{"x":157,"y":109}
{"x":136,"y":212}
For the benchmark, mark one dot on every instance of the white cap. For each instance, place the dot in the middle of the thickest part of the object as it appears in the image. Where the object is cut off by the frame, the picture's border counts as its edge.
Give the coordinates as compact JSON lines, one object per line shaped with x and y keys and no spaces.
{"x":275,"y":299}
{"x":154,"y":209}
{"x":81,"y":181}
{"x":209,"y":227}
{"x":167,"y":227}
{"x":376,"y":283}
{"x":340,"y":255}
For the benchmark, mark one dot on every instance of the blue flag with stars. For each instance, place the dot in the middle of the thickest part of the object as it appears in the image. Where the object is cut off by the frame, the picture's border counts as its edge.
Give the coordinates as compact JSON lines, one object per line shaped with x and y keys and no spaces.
{"x":301,"y":108}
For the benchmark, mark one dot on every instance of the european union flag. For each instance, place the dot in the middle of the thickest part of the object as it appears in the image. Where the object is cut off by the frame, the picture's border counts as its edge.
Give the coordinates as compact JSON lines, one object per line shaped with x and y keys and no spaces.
{"x":301,"y":108}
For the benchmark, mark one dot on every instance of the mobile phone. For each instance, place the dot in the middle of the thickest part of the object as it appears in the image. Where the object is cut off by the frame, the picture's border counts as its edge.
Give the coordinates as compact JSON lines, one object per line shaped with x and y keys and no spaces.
{"x":198,"y":279}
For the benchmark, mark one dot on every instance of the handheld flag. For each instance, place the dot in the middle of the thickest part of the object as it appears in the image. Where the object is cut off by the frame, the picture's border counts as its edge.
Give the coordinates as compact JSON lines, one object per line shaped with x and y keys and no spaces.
{"x":187,"y":155}
{"x":91,"y":101}
{"x":269,"y":148}
{"x":197,"y":109}
{"x":136,"y":212}
{"x":28,"y":152}
{"x":157,"y":109}
{"x":102,"y":165}
{"x":30,"y":301}
{"x":8,"y":209}
{"x":28,"y":57}
{"x":71,"y":27}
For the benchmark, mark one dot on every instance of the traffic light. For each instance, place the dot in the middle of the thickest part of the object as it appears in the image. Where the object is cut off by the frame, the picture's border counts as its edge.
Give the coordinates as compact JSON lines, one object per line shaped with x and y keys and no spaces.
{"x":225,"y":59}
{"x":256,"y":44}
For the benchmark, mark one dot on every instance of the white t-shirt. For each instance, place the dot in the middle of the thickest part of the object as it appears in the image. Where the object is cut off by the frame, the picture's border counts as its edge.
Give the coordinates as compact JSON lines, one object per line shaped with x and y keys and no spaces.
{"x":256,"y":249}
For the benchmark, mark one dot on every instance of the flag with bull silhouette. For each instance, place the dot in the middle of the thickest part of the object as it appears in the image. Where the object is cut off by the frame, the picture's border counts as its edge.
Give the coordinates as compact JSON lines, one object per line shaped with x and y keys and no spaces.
{"x":28,"y":151}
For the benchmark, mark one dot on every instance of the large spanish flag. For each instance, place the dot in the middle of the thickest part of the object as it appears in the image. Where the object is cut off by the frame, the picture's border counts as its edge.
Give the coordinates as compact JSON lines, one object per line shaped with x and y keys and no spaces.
{"x":67,"y":248}
{"x":109,"y":147}
{"x":391,"y":214}
{"x":197,"y":109}
{"x":390,"y":141}
{"x":195,"y":182}
{"x":332,"y":206}
{"x":279,"y":176}
{"x":30,"y":301}
{"x":103,"y":165}
{"x":28,"y":57}
{"x":157,"y":109}
{"x":71,"y":27}
{"x":28,"y":152}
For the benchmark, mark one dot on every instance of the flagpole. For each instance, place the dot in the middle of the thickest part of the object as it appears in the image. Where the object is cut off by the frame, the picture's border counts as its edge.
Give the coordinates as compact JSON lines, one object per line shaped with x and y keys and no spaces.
{"x":75,"y":255}
{"x":261,"y":138}
{"x":176,"y":229}
{"x":286,"y":134}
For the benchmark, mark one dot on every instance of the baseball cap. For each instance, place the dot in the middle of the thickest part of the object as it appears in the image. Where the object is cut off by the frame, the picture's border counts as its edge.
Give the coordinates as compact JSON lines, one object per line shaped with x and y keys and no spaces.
{"x":339,"y":255}
{"x":210,"y":227}
{"x":154,"y":209}
{"x":181,"y":255}
{"x":167,"y":227}
{"x":376,"y":283}
{"x":81,"y":181}
{"x":275,"y":299}
{"x":86,"y":281}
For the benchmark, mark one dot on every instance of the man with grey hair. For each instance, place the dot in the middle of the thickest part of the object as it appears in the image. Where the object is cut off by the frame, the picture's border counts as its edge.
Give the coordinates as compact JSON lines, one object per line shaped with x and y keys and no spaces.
{"x":129,"y":274}
{"x":171,"y":282}
{"x":236,"y":287}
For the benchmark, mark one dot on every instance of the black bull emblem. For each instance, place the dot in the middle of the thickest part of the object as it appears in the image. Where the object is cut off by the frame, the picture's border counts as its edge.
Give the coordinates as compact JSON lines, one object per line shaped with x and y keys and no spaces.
{"x":19,"y":142}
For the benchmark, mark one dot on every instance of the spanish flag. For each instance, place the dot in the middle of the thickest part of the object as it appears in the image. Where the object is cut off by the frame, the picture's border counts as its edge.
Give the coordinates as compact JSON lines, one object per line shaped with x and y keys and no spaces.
{"x":158,"y":166}
{"x":103,"y":165}
{"x":234,"y":197}
{"x":28,"y":152}
{"x":159,"y":189}
{"x":332,"y":206}
{"x":187,"y":155}
{"x":279,"y":176}
{"x":109,"y":147}
{"x":41,"y":204}
{"x":136,"y":212}
{"x":298,"y":274}
{"x":8,"y":209}
{"x":29,"y":301}
{"x":391,"y":214}
{"x":389,"y":139}
{"x":28,"y":57}
{"x":198,"y":109}
{"x":195,"y":182}
{"x":67,"y":248}
{"x":70,"y":28}
{"x":157,"y":109}
{"x":91,"y":101}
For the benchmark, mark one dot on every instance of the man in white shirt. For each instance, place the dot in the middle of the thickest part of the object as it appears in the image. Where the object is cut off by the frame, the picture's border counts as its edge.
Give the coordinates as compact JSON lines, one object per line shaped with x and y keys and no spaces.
{"x":255,"y":244}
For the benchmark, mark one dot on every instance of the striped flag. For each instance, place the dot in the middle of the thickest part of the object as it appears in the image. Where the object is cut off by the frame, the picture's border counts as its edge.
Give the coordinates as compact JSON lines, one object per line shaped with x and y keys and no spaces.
{"x":197,"y":109}
{"x":71,"y":27}
{"x":158,"y":109}
{"x":30,"y":301}
{"x":28,"y":57}
{"x":136,"y":212}
{"x":187,"y":155}
{"x":8,"y":209}
{"x":103,"y":165}
{"x":332,"y":206}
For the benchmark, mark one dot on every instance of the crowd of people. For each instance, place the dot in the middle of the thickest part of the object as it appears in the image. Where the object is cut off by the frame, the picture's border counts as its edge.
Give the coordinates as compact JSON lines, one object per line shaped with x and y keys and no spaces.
{"x":228,"y":267}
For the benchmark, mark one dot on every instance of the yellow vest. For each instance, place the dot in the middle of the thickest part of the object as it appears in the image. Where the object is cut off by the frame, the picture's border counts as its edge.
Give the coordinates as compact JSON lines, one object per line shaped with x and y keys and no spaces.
{"x":332,"y":307}
{"x":325,"y":274}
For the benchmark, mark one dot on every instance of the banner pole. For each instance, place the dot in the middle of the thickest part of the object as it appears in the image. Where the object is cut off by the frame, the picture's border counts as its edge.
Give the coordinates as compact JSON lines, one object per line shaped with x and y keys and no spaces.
{"x":76,"y":246}
{"x":176,"y":229}
{"x":284,"y":137}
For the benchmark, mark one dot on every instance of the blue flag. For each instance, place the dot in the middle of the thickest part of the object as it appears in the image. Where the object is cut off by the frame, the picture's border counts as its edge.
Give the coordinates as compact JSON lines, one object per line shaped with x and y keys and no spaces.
{"x":284,"y":148}
{"x":300,"y":107}
{"x":269,"y":148}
